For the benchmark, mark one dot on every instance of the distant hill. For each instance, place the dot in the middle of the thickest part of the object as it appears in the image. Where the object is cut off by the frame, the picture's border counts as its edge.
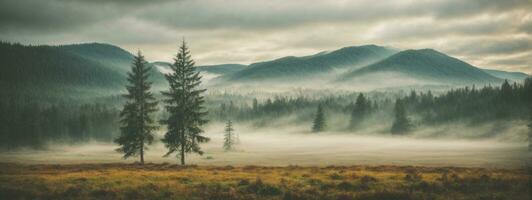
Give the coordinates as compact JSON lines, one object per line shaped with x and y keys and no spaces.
{"x":426,"y":64}
{"x":513,"y":76}
{"x":293,"y":68}
{"x":80,"y":69}
{"x":63,"y":70}
{"x":222,"y":69}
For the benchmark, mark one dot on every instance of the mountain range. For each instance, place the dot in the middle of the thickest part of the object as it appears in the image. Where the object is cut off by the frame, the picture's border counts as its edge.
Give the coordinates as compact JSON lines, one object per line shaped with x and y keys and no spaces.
{"x":429,"y":65}
{"x":301,"y":67}
{"x":104,"y":67}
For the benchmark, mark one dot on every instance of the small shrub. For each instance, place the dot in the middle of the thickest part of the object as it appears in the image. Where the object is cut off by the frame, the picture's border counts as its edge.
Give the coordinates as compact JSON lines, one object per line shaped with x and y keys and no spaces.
{"x":344,"y":196}
{"x":368,"y":179}
{"x":263,"y":189}
{"x":298,"y":195}
{"x":103,"y":194}
{"x":344,"y":185}
{"x":326,"y":186}
{"x":184,"y":180}
{"x":243,"y":182}
{"x":228,"y":167}
{"x":215,"y":191}
{"x":314,"y":181}
{"x":336,"y":176}
{"x":385,"y":195}
{"x":413,"y":177}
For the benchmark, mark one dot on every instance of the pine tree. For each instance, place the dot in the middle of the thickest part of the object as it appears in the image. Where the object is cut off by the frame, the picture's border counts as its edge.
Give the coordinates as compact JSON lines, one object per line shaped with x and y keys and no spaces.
{"x":530,"y":131}
{"x":319,"y":124}
{"x":229,"y":137}
{"x":506,"y":90}
{"x":184,"y":103}
{"x":401,"y":123}
{"x":137,"y":123}
{"x":361,"y":108}
{"x":255,"y":104}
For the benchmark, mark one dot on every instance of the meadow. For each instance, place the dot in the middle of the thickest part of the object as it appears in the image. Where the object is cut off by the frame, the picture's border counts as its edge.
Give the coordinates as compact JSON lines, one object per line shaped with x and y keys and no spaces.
{"x":168,"y":181}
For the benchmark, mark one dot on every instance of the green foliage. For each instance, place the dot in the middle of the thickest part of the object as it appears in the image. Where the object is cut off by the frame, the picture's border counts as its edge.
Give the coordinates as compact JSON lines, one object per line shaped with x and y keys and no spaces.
{"x":360,"y":111}
{"x":401,"y":122}
{"x":27,"y":123}
{"x":37,"y":70}
{"x":229,"y":137}
{"x":528,"y":91}
{"x":319,"y":123}
{"x":184,"y":103}
{"x":137,"y":123}
{"x":59,"y":73}
{"x":467,"y":105}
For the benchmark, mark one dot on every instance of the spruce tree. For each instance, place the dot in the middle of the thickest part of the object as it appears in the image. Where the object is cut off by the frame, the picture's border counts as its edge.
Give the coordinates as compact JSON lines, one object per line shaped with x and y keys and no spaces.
{"x":229,"y":137}
{"x":137,"y":124}
{"x":361,"y":108}
{"x":401,"y":123}
{"x":319,"y":121}
{"x":527,"y":87}
{"x":530,"y":131}
{"x":184,"y":103}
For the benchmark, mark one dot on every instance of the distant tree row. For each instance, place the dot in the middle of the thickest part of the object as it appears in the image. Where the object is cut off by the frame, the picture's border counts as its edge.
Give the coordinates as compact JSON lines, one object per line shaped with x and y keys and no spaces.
{"x":469,"y":104}
{"x":33,"y":125}
{"x":509,"y":101}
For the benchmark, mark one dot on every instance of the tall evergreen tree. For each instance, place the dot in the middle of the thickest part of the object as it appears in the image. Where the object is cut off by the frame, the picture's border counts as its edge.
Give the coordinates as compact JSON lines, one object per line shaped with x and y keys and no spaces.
{"x":137,"y":123}
{"x":401,"y":123}
{"x":184,"y":103}
{"x":506,"y":90}
{"x":229,"y":137}
{"x":319,"y":124}
{"x":361,"y":108}
{"x":527,"y":87}
{"x":530,"y":131}
{"x":255,"y":104}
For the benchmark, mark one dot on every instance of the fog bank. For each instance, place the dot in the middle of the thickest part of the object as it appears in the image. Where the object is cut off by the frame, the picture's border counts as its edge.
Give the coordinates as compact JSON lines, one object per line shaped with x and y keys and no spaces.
{"x":297,"y":147}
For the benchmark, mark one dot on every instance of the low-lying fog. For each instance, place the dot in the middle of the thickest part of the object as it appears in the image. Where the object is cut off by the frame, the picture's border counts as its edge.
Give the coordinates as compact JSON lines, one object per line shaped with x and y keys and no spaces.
{"x":296,"y":146}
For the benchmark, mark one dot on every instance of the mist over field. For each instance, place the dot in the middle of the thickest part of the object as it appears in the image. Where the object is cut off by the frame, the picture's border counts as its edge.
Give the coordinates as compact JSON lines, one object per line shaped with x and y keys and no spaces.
{"x":296,"y":145}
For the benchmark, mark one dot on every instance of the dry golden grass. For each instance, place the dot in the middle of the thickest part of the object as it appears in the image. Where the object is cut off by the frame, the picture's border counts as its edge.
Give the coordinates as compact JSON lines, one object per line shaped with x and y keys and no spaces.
{"x":165,"y":181}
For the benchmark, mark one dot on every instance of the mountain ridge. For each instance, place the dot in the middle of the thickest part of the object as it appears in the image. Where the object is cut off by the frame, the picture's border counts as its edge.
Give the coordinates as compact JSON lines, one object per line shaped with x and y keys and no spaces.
{"x":347,"y":57}
{"x":426,"y":64}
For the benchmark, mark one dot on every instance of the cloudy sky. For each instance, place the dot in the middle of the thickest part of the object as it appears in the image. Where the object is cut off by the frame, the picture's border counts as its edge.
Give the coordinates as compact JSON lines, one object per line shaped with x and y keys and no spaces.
{"x":487,"y":33}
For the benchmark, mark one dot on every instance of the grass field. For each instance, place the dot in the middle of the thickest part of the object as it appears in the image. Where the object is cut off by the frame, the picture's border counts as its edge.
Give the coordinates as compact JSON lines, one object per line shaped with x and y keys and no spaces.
{"x":166,"y":181}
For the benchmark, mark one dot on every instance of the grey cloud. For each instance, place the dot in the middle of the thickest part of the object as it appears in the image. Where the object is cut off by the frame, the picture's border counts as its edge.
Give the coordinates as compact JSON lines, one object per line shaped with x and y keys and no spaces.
{"x":281,"y":14}
{"x":493,"y":47}
{"x":50,"y":15}
{"x":429,"y":28}
{"x":263,"y":29}
{"x":61,"y":15}
{"x":511,"y":62}
{"x":461,"y":8}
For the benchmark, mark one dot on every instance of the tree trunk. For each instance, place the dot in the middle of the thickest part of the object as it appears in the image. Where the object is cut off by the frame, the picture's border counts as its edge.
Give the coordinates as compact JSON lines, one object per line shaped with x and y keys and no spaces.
{"x":183,"y":143}
{"x":182,"y":156}
{"x":142,"y":153}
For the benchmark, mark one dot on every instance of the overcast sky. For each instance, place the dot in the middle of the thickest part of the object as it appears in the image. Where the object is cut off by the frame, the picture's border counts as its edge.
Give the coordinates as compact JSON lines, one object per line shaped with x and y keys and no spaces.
{"x":487,"y":33}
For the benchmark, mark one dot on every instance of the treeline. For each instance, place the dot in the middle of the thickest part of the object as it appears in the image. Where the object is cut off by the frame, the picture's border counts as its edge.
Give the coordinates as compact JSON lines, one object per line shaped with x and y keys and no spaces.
{"x":31,"y":124}
{"x":508,"y":101}
{"x":50,"y":67}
